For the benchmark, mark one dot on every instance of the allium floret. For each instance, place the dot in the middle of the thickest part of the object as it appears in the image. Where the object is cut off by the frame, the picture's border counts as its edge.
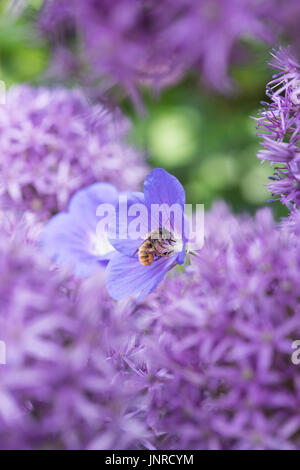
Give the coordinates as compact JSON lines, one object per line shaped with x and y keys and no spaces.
{"x":54,"y":142}
{"x":279,"y":127}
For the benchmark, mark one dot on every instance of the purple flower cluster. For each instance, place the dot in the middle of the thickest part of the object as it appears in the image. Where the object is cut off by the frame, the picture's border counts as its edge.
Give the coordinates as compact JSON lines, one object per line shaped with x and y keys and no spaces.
{"x":65,"y":384}
{"x":135,"y":42}
{"x":218,"y":341}
{"x":202,"y":363}
{"x":279,"y":127}
{"x":53,"y":142}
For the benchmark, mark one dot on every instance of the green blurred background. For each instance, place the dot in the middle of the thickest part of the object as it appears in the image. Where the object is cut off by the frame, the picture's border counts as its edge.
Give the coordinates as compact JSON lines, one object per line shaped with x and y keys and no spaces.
{"x":207,"y":140}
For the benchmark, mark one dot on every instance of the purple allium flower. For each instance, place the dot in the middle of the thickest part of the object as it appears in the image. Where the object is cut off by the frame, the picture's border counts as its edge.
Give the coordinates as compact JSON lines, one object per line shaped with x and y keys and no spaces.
{"x":53,"y":142}
{"x":31,"y":310}
{"x":132,"y":270}
{"x":219,"y":341}
{"x":279,"y":127}
{"x":71,"y":238}
{"x":135,"y":42}
{"x":291,"y":224}
{"x":22,"y":226}
{"x":69,"y":381}
{"x":202,"y":363}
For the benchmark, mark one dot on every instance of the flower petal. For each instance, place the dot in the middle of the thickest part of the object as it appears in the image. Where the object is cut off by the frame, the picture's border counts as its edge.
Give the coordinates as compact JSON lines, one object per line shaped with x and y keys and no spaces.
{"x":68,"y":243}
{"x":165,"y":199}
{"x":70,"y":238}
{"x":120,"y":236}
{"x":181,"y":256}
{"x":162,"y":188}
{"x":85,"y":202}
{"x":127,"y":276}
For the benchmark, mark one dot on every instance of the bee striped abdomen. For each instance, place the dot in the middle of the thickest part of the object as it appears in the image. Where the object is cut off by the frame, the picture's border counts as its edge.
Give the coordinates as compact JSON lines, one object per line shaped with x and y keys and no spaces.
{"x":147,"y":259}
{"x":146,"y":255}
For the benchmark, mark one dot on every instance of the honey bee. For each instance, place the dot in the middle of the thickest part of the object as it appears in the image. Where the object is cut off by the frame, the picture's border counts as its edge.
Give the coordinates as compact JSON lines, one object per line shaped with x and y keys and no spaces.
{"x":157,"y":244}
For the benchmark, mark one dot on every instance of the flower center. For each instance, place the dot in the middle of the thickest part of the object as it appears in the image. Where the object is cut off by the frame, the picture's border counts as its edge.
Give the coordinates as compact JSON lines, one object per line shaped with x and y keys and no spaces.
{"x":100,"y":246}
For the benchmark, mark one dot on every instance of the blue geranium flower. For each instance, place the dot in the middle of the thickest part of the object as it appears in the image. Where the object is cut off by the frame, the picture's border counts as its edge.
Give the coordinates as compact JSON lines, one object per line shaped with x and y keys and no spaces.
{"x":138,"y":246}
{"x":127,"y":273}
{"x":71,"y":238}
